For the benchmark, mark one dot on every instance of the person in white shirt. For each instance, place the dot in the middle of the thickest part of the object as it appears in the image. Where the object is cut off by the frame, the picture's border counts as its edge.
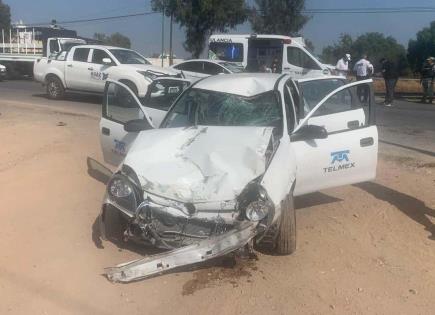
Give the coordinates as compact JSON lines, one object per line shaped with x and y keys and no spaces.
{"x":343,"y":65}
{"x":363,"y":69}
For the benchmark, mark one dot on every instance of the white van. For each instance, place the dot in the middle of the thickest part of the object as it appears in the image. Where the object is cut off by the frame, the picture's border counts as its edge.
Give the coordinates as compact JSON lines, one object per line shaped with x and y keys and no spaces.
{"x":258,"y":53}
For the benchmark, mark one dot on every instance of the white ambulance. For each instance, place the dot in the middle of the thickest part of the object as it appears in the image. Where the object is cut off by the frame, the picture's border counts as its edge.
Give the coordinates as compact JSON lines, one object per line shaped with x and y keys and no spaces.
{"x":267,"y":53}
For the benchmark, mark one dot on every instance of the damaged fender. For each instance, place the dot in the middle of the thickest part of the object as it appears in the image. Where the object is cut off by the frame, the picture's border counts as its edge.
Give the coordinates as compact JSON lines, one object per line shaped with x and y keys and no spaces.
{"x":280,"y":174}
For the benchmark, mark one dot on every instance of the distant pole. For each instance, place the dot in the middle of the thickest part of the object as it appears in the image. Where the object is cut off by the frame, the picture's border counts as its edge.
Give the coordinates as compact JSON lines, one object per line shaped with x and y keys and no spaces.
{"x":171,"y":55}
{"x":163,"y":36}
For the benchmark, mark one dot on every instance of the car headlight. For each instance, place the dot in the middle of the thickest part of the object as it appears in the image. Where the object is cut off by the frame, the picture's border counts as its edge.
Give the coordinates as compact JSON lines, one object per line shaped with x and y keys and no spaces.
{"x":119,"y":188}
{"x":121,"y":191}
{"x":257,"y":210}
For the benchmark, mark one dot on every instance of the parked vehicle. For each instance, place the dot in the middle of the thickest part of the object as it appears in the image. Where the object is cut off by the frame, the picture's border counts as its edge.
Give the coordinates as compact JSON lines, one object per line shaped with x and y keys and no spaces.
{"x":256,"y":53}
{"x":86,"y":68}
{"x":3,"y":72}
{"x":221,"y":166}
{"x":21,"y":46}
{"x":201,"y":68}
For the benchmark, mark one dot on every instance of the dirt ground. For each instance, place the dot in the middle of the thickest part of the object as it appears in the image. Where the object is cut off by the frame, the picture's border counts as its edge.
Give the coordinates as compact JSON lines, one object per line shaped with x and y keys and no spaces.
{"x":363,"y":249}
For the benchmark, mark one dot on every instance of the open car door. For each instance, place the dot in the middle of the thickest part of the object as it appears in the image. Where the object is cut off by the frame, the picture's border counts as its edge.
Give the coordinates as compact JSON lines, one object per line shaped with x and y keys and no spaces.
{"x":348,"y":151}
{"x":121,"y":107}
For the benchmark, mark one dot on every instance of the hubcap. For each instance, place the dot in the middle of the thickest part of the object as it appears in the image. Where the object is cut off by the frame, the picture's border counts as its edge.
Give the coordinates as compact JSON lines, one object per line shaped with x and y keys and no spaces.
{"x":53,"y":89}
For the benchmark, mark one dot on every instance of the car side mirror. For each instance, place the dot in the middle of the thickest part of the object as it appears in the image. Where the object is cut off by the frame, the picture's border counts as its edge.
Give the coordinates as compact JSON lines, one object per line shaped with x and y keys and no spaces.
{"x":137,"y":125}
{"x":310,"y":132}
{"x":107,"y":61}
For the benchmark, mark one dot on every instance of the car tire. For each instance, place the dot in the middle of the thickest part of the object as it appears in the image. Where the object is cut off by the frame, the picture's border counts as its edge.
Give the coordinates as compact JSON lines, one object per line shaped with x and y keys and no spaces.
{"x":55,"y":89}
{"x":114,"y":224}
{"x":285,"y":243}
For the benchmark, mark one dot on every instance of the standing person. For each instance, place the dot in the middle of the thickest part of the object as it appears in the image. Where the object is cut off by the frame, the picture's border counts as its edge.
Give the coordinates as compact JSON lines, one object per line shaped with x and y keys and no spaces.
{"x":363,"y":69}
{"x":427,"y":78}
{"x":391,"y":75}
{"x":343,"y":65}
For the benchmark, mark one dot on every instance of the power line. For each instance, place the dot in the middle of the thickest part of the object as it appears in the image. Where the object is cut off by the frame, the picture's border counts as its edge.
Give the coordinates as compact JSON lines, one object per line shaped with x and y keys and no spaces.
{"x":108,"y":18}
{"x":369,"y":10}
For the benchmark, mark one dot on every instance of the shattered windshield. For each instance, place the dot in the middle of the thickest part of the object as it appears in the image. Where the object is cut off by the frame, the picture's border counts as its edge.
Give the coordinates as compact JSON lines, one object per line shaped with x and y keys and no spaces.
{"x":129,"y":57}
{"x":210,"y":108}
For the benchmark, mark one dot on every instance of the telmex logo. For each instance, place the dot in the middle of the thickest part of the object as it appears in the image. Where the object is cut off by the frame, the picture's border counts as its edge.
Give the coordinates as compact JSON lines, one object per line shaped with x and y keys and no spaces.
{"x":340,"y":156}
{"x":337,"y":158}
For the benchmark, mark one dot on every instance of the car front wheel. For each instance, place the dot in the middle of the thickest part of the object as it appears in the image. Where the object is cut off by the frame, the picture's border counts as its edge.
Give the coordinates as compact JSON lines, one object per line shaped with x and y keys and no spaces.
{"x":285,"y":243}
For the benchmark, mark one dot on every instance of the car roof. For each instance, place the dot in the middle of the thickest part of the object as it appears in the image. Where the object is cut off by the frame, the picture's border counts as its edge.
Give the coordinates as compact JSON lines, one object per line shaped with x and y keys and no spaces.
{"x":100,"y":47}
{"x":244,"y":84}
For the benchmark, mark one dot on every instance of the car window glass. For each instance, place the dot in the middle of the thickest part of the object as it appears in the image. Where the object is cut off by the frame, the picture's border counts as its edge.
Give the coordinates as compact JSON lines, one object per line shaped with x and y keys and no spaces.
{"x":299,"y":58}
{"x":226,"y":51}
{"x":289,"y":108}
{"x":163,"y":92}
{"x":54,"y":46}
{"x":121,"y":105}
{"x":99,"y":55}
{"x":212,"y":68}
{"x":191,"y":66}
{"x":314,"y":91}
{"x":81,"y":54}
{"x":345,"y":109}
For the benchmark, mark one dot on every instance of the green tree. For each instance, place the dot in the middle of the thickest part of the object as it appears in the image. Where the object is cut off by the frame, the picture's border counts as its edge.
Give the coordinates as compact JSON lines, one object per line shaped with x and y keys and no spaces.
{"x":200,"y":18}
{"x":375,"y":45}
{"x":422,"y":47}
{"x":332,"y":53}
{"x":115,"y":39}
{"x":282,"y":17}
{"x":5,"y":16}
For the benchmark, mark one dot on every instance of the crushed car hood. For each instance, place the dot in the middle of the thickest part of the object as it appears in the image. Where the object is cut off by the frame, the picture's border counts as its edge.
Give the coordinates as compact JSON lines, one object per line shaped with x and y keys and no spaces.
{"x":199,"y":164}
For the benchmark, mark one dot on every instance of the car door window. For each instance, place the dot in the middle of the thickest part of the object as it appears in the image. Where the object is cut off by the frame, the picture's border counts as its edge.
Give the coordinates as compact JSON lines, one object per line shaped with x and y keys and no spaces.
{"x":289,"y":108}
{"x":120,"y":105}
{"x":344,"y":110}
{"x":313,"y":91}
{"x":191,"y":66}
{"x":81,"y":54}
{"x":212,"y":68}
{"x":299,"y":58}
{"x":98,"y":56}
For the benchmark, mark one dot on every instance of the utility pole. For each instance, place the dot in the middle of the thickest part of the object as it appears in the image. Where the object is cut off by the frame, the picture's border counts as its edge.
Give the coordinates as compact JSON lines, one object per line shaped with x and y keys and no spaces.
{"x":163,"y":36}
{"x":171,"y":54}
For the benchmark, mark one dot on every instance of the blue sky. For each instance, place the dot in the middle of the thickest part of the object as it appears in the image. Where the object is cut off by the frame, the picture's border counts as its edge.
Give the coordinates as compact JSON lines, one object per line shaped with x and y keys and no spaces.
{"x":144,"y":31}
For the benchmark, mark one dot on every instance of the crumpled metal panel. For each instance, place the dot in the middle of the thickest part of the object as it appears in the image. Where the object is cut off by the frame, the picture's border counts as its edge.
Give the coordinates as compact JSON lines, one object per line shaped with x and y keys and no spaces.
{"x":203,"y":250}
{"x":199,"y":164}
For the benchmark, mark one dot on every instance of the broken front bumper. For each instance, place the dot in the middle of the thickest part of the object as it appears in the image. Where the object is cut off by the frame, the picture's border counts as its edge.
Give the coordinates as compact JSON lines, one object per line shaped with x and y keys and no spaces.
{"x":224,"y":237}
{"x":203,"y":250}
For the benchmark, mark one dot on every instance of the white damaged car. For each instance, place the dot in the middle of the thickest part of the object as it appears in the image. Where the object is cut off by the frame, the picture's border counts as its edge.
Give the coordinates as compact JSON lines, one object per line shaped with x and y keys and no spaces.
{"x":219,"y":169}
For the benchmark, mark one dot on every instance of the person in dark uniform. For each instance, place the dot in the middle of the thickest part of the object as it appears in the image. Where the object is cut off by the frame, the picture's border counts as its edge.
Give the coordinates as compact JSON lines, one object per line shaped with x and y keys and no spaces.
{"x":391,"y":75}
{"x":427,"y":79}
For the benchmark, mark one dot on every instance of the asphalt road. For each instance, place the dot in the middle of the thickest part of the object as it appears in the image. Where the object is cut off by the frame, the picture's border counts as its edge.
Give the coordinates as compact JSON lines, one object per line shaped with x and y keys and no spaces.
{"x":405,"y":125}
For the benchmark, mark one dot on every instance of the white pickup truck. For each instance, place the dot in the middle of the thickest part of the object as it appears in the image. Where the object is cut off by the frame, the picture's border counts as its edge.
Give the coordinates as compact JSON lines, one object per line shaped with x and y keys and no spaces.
{"x":85,"y":68}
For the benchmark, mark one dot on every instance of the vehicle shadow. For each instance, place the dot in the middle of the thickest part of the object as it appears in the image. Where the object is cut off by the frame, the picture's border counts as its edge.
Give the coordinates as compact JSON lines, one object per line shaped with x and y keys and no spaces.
{"x":411,"y":206}
{"x":314,"y":199}
{"x":79,"y":98}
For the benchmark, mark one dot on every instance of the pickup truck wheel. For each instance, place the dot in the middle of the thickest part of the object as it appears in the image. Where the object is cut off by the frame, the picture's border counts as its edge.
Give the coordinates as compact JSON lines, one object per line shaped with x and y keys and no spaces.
{"x":285,"y":243}
{"x":55,"y":89}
